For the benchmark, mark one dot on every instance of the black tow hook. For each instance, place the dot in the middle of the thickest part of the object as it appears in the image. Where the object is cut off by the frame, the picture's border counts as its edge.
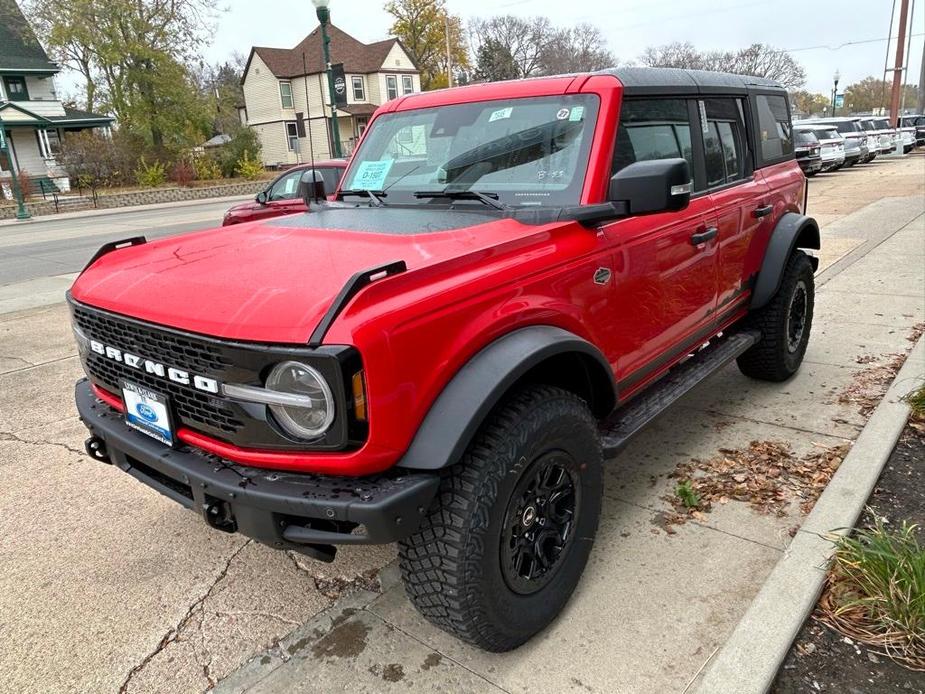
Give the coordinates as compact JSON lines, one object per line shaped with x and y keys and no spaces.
{"x":96,"y":449}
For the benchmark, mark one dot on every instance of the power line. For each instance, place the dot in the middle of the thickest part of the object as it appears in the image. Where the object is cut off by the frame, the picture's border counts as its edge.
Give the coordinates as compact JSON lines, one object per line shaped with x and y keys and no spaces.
{"x":843,"y":45}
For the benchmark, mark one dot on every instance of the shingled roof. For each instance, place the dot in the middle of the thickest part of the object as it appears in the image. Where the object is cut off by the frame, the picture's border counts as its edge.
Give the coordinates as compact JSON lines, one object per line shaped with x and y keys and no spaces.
{"x":356,"y":56}
{"x":19,"y":48}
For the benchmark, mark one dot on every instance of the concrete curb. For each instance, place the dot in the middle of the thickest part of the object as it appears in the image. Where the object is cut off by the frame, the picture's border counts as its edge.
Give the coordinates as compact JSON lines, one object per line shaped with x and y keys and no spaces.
{"x":82,"y":214}
{"x":749,"y":660}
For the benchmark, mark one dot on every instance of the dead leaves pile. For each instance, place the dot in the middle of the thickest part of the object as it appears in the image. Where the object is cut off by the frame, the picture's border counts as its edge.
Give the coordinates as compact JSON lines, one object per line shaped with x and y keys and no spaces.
{"x":767,"y":475}
{"x":868,"y":387}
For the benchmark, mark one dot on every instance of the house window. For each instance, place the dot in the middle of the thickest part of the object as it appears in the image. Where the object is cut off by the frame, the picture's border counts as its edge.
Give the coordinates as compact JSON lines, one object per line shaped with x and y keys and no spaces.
{"x":407,"y":84}
{"x":16,"y":88}
{"x":292,"y":136}
{"x":362,"y":122}
{"x":358,"y":94}
{"x":285,"y":94}
{"x":391,"y":86}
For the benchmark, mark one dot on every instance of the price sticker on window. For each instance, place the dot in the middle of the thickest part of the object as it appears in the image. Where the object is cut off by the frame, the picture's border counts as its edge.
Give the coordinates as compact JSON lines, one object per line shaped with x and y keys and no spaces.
{"x":371,"y":175}
{"x":501,"y":114}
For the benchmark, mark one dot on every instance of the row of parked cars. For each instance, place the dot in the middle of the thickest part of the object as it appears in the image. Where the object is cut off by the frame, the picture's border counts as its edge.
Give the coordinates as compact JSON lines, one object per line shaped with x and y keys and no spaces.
{"x":828,"y":144}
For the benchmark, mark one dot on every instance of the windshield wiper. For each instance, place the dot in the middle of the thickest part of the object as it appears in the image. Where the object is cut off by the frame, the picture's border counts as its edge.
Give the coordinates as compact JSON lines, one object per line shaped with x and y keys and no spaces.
{"x":490,"y":199}
{"x":374,"y":195}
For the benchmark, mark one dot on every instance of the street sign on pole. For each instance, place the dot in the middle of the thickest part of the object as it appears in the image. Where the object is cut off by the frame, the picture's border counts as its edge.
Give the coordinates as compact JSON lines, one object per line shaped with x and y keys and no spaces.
{"x":839,"y":100}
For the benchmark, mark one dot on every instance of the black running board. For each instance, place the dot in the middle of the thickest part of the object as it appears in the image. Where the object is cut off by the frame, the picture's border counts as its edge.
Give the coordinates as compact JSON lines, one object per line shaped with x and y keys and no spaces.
{"x":629,"y":420}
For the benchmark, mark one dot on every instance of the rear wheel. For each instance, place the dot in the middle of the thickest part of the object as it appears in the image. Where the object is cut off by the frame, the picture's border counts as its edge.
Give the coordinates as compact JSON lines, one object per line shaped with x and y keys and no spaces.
{"x":507,"y":540}
{"x":784,"y":323}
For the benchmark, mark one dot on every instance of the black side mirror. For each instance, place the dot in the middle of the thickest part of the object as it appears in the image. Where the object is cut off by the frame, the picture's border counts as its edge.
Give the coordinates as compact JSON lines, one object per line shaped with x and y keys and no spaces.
{"x":311,"y":186}
{"x":262,"y":197}
{"x":659,"y":185}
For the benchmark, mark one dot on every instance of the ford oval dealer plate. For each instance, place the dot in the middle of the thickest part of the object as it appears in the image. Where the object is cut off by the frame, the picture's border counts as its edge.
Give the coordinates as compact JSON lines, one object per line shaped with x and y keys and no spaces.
{"x":148,"y":412}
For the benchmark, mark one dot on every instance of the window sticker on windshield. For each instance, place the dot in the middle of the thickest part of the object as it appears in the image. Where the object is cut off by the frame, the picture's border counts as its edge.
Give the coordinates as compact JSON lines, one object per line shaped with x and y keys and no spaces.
{"x":577,"y":113}
{"x":562,"y":114}
{"x":501,"y":113}
{"x":371,"y":175}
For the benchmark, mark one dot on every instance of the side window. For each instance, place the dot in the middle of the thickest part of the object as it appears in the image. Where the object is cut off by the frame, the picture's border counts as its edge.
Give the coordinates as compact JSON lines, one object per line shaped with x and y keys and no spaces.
{"x":774,"y":129}
{"x":286,"y":187}
{"x":652,"y":129}
{"x":724,"y":142}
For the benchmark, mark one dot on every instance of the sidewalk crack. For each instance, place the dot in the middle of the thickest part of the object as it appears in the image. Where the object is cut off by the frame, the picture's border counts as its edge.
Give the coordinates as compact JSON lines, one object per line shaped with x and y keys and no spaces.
{"x":174,"y":632}
{"x":9,"y":436}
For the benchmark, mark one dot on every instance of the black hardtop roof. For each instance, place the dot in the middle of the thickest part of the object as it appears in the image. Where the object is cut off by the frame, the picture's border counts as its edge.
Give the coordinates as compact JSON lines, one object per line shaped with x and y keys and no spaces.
{"x":669,"y":80}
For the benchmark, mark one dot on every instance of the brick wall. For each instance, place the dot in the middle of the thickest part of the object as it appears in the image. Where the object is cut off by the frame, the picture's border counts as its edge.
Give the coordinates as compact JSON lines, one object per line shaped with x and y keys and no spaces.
{"x":142,"y":197}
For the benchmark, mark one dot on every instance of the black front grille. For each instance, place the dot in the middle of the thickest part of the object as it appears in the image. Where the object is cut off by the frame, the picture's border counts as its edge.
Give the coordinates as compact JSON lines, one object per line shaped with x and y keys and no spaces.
{"x":169,"y":348}
{"x":194,"y":408}
{"x":226,"y":361}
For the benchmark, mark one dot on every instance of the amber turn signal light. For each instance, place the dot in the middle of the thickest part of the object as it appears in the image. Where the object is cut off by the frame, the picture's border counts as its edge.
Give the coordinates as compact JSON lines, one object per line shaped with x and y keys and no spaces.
{"x":359,"y":396}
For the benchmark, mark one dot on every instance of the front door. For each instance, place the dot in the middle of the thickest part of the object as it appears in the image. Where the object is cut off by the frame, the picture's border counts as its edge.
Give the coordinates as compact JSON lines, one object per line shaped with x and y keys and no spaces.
{"x":665,"y":282}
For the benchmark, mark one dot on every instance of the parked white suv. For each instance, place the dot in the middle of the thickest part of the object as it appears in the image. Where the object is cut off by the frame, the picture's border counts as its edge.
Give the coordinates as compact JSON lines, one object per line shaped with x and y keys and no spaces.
{"x":832,"y":144}
{"x":883,"y":134}
{"x":849,"y":128}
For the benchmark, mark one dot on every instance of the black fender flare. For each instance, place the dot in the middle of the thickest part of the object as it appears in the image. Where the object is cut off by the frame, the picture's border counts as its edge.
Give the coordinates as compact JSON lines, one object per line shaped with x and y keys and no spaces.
{"x":461,"y":408}
{"x":793,"y":231}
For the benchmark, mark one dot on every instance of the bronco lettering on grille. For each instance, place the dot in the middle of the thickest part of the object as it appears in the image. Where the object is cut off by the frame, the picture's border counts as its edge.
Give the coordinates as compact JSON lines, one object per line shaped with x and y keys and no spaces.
{"x":208,"y":385}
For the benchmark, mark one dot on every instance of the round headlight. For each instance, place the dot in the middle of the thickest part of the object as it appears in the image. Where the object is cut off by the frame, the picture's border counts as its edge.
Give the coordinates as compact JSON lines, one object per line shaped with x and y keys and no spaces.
{"x":301,"y":379}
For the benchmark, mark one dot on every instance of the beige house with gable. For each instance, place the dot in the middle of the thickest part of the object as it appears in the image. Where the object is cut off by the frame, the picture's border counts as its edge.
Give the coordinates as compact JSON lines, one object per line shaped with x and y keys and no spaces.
{"x":277,"y":80}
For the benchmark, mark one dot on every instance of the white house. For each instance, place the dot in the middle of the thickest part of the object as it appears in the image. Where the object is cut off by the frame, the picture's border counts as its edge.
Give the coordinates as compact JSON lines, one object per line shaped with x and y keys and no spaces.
{"x":283,"y":86}
{"x":32,"y":116}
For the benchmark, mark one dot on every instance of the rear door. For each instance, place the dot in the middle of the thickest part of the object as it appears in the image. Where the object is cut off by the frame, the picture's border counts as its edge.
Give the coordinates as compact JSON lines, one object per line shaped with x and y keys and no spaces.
{"x":664,"y":275}
{"x":740,"y":198}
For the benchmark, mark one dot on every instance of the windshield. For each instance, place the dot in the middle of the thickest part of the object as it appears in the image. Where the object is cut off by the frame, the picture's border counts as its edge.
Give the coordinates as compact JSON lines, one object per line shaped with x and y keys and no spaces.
{"x":846,"y":126}
{"x":883,"y":124}
{"x":868,"y":125}
{"x":805,"y":137}
{"x":828,"y":134}
{"x":530,"y":151}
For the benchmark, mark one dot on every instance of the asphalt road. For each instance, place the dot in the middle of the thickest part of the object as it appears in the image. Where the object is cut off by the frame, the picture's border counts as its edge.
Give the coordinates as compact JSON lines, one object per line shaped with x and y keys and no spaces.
{"x":58,"y":246}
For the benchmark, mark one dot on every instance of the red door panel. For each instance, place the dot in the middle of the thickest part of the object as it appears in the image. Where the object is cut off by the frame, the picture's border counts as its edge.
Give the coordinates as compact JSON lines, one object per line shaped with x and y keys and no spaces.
{"x":664,"y":285}
{"x":735,"y":209}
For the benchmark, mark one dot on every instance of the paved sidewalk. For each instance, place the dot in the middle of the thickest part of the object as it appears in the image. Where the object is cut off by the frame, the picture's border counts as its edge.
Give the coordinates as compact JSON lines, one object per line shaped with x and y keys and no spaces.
{"x":104,"y":584}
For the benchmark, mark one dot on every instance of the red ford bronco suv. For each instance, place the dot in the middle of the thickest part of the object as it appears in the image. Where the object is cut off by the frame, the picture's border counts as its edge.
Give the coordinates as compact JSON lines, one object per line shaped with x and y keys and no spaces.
{"x":513,"y":280}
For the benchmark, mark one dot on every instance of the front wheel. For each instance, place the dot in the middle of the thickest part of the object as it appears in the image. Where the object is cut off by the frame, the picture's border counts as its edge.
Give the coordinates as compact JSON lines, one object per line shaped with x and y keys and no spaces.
{"x":784,"y":323}
{"x":508,"y":537}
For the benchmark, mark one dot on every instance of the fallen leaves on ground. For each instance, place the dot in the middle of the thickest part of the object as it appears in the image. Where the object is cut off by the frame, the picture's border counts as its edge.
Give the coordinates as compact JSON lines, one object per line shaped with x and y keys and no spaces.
{"x":868,"y":387}
{"x":767,"y":475}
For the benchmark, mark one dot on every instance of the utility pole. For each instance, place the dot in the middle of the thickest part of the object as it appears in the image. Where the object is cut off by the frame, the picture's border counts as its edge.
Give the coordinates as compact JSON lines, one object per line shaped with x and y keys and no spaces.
{"x":898,"y":65}
{"x":449,"y":61}
{"x":921,"y":105}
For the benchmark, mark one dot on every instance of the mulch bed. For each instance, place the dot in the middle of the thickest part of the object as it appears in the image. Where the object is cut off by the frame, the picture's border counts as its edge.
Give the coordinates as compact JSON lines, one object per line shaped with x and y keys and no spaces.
{"x":822,"y":660}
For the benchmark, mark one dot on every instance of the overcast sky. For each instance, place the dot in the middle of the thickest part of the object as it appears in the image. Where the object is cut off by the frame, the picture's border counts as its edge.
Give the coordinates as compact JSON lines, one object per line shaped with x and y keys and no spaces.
{"x":629,"y":26}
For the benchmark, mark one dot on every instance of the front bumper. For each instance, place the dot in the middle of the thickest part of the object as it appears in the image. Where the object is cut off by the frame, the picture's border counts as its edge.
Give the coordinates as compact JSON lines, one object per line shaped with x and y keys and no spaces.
{"x":308,"y":513}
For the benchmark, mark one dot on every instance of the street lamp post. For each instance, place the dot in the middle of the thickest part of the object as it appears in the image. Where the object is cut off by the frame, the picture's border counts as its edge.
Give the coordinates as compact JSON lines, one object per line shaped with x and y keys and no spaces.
{"x":21,"y":211}
{"x":324,"y":16}
{"x":835,"y":77}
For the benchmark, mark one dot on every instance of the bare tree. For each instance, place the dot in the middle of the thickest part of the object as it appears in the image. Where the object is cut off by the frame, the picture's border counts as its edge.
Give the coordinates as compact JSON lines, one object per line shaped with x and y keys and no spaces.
{"x":759,"y":59}
{"x":579,"y":49}
{"x":524,"y":38}
{"x":676,"y":54}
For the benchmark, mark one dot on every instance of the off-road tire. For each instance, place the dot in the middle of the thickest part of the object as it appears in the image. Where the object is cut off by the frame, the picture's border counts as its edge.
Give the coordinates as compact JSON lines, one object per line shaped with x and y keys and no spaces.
{"x":452,"y":566}
{"x":775,"y":357}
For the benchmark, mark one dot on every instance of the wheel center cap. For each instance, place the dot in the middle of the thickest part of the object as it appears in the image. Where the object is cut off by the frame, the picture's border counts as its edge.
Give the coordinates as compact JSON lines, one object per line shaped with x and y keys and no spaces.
{"x":529,"y":516}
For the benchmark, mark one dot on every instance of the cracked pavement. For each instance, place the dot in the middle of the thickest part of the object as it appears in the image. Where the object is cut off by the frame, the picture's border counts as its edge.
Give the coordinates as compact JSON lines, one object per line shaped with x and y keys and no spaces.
{"x":107,"y":586}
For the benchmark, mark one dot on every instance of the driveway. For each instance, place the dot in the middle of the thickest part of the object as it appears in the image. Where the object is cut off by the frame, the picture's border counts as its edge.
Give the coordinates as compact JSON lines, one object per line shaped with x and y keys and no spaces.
{"x":107,"y":586}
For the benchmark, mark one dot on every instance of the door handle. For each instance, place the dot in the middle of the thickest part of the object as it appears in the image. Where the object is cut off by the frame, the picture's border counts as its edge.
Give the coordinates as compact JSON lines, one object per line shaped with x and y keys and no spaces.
{"x":704,"y":236}
{"x":762,"y":211}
